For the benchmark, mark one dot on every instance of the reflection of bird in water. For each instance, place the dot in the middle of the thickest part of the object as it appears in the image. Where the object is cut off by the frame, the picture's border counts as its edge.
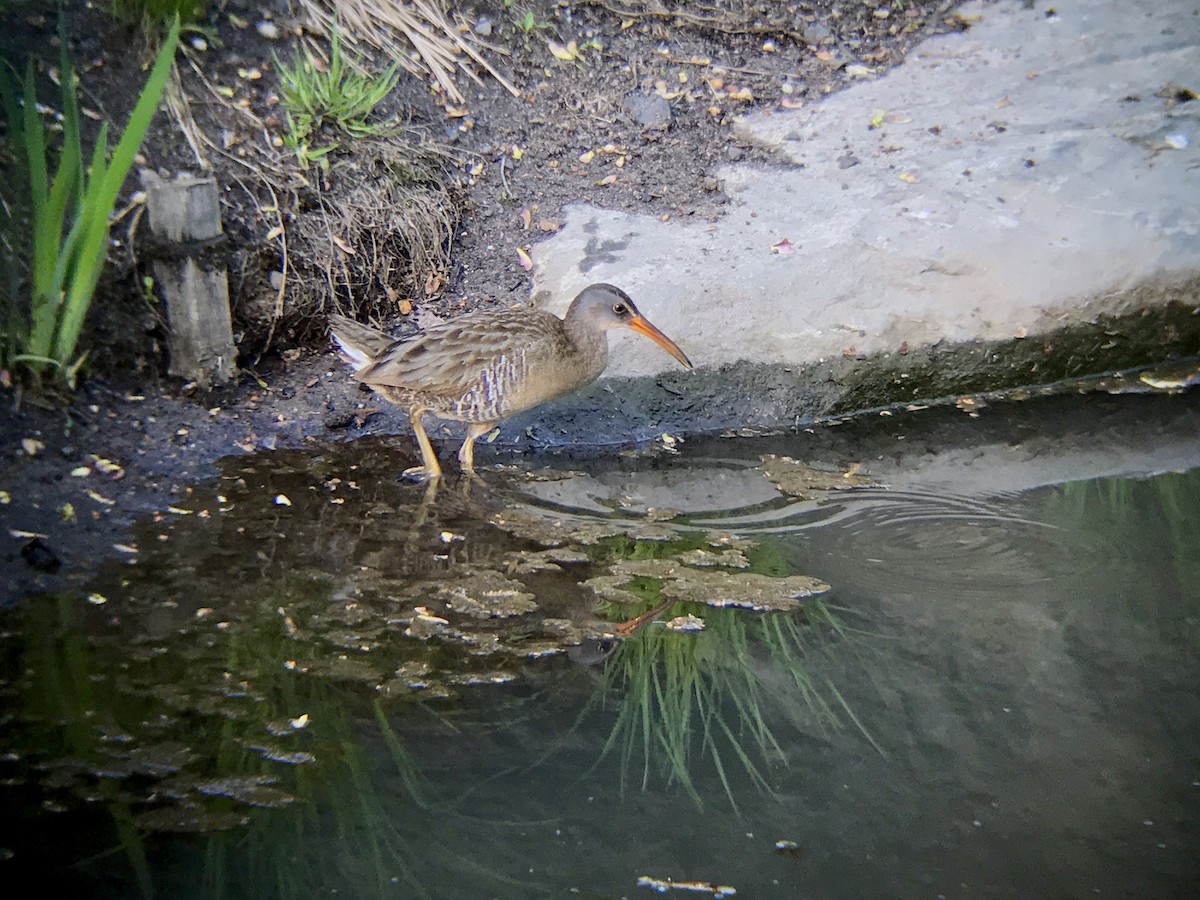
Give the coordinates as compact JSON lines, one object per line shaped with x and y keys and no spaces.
{"x":630,"y":627}
{"x":593,"y":651}
{"x":486,"y":366}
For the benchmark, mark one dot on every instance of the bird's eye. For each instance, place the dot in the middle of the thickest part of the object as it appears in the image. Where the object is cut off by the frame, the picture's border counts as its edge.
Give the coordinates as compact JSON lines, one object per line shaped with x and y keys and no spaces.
{"x":620,"y":309}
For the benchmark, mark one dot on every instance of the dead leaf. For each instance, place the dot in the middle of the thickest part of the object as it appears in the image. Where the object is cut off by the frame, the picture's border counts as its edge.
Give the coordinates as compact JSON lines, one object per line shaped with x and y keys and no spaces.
{"x":361,"y":415}
{"x":526,"y":219}
{"x":877,"y":119}
{"x":783,"y":247}
{"x":606,"y":181}
{"x":434,"y":282}
{"x":342,"y":245}
{"x":107,"y":467}
{"x":1020,"y":332}
{"x":568,"y":53}
{"x":524,"y":259}
{"x":909,"y":177}
{"x":406,"y":307}
{"x":660,"y":89}
{"x":587,"y":156}
{"x":1003,"y":102}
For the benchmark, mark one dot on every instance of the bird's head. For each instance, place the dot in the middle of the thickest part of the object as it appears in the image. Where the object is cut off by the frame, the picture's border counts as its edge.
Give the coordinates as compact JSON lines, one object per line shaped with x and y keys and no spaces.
{"x":601,"y":307}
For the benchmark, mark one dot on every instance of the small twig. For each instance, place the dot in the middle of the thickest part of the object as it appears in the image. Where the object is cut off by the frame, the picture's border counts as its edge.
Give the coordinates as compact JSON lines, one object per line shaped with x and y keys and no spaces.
{"x":725,"y":25}
{"x":504,"y":179}
{"x":279,"y":295}
{"x":181,"y":111}
{"x":717,"y":66}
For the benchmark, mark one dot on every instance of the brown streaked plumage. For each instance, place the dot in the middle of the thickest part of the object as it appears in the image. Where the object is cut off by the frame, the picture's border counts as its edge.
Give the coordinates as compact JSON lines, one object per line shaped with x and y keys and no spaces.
{"x":487,"y":366}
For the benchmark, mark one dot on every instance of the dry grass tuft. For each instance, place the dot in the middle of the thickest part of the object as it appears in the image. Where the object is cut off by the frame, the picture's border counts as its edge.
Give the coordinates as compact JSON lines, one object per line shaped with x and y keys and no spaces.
{"x":377,"y":233}
{"x":441,"y":45}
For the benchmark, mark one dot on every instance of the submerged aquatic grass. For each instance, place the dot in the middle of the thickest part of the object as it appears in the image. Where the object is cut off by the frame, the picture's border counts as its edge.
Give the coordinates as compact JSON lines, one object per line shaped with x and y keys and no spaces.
{"x":682,"y":699}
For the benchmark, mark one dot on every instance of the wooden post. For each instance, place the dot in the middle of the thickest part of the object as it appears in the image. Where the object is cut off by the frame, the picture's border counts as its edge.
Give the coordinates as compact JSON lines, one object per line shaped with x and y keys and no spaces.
{"x":185,"y":220}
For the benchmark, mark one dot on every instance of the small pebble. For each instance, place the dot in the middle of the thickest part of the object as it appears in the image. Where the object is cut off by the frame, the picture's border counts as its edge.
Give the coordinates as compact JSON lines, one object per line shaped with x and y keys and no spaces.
{"x":648,"y":110}
{"x":269,"y":30}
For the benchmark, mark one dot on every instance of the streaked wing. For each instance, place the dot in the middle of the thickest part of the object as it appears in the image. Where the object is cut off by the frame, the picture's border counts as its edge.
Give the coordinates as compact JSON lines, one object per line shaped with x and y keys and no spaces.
{"x":452,"y":358}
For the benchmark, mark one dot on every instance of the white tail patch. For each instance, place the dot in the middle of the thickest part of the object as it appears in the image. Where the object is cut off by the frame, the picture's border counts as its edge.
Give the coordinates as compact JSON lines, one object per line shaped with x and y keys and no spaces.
{"x":356,"y":356}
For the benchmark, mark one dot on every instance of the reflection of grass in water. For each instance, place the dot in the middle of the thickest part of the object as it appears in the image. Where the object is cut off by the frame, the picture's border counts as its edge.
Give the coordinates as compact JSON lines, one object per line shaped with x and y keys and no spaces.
{"x":62,"y":716}
{"x":97,"y":717}
{"x":612,"y":549}
{"x":1138,"y":514}
{"x":344,"y":836}
{"x":711,"y":694}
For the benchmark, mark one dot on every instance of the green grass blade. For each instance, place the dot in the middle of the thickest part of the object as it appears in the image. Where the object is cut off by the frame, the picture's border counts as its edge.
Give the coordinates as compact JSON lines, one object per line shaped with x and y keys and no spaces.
{"x":100,"y":197}
{"x":35,"y":150}
{"x":44,"y":310}
{"x":70,"y":105}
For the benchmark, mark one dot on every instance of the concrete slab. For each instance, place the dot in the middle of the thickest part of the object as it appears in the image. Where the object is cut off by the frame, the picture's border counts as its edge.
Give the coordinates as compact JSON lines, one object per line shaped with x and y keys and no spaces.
{"x":1033,"y":173}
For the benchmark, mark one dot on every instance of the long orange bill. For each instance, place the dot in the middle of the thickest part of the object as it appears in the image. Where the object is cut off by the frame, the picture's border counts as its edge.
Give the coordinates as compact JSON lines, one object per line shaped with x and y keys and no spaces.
{"x":642,"y":326}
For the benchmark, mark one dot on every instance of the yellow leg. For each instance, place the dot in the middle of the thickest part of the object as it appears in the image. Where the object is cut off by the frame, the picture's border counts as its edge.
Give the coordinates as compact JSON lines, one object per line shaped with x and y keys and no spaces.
{"x":466,"y":453}
{"x":429,"y":461}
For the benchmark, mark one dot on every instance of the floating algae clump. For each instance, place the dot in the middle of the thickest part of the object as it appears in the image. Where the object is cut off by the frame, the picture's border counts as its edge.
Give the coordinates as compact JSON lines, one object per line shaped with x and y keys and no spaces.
{"x":803,"y":482}
{"x":745,"y":590}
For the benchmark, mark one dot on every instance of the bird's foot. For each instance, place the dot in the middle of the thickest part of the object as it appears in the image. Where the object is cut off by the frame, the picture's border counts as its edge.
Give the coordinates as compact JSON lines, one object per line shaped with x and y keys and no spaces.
{"x":420,"y":475}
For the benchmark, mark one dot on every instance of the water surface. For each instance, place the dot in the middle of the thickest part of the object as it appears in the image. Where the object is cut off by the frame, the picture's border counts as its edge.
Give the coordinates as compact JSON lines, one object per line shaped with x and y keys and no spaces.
{"x":974,"y":675}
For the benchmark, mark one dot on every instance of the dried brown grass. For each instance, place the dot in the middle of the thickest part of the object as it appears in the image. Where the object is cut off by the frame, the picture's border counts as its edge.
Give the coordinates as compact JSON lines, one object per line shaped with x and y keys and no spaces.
{"x":376,"y":233}
{"x":443,"y":43}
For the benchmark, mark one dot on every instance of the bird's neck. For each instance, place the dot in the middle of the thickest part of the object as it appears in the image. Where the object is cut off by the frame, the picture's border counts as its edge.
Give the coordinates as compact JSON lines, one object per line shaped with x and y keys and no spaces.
{"x":590,"y":346}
